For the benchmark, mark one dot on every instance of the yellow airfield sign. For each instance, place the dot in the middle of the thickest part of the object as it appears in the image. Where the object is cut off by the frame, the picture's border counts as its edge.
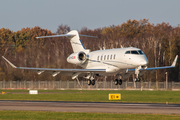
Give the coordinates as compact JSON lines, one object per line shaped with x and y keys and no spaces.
{"x":115,"y":96}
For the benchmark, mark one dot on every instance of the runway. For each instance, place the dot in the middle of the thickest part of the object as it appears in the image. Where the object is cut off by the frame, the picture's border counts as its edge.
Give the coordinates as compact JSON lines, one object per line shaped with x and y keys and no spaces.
{"x":92,"y":107}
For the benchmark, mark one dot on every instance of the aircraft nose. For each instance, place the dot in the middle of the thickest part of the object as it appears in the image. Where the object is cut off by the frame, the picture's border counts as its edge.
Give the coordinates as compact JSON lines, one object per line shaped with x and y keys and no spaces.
{"x":144,"y":62}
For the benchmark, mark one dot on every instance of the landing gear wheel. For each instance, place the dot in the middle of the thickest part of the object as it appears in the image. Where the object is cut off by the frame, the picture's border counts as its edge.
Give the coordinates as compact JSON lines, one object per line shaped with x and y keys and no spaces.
{"x":116,"y":81}
{"x":120,"y":82}
{"x":137,"y":79}
{"x":93,"y":82}
{"x":89,"y":82}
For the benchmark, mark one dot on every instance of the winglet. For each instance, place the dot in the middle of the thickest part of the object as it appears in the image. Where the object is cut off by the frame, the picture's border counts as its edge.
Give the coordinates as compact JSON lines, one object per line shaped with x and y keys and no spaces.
{"x":9,"y":62}
{"x":175,"y":61}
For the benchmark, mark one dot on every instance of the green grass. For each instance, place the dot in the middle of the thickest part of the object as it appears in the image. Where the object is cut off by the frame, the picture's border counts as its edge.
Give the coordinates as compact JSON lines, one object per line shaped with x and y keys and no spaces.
{"x":94,"y":96}
{"x":43,"y":115}
{"x":88,"y":96}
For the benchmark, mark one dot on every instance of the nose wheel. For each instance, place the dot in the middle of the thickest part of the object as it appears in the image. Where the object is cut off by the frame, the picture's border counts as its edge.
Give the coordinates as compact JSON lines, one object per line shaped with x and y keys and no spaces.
{"x":137,"y":79}
{"x":89,"y":82}
{"x":120,"y":82}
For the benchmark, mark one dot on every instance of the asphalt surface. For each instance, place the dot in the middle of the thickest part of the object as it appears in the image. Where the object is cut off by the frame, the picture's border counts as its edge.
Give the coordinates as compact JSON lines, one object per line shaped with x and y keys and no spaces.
{"x":92,"y":107}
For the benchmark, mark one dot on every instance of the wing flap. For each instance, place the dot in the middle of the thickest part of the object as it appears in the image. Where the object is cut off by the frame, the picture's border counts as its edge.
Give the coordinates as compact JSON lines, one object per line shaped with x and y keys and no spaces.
{"x":64,"y":70}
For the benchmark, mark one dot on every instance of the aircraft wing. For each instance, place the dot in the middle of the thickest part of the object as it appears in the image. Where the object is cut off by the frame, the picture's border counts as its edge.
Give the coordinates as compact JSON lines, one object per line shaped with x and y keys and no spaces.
{"x":156,"y":68}
{"x":54,"y":71}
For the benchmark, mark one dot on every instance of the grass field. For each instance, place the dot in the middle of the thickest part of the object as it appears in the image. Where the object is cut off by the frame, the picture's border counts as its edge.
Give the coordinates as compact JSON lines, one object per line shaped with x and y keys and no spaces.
{"x":94,"y":96}
{"x":42,"y":115}
{"x":88,"y":96}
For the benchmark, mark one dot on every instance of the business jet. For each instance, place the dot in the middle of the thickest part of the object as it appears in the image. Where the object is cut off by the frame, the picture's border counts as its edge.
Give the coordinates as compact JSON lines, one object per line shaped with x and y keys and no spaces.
{"x":121,"y":62}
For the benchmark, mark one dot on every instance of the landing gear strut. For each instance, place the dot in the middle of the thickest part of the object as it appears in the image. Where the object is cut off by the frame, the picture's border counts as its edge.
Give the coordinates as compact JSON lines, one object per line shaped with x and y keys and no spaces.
{"x":137,"y":79}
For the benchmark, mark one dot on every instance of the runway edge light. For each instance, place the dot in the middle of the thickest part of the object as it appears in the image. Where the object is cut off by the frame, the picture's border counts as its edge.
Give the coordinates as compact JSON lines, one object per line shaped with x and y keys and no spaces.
{"x":114,"y":96}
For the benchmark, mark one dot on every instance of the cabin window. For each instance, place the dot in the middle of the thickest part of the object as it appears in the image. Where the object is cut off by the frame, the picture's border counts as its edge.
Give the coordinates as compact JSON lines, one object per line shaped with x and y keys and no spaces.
{"x":114,"y":56}
{"x":101,"y":57}
{"x":105,"y":57}
{"x":108,"y":57}
{"x":98,"y":58}
{"x":111,"y":57}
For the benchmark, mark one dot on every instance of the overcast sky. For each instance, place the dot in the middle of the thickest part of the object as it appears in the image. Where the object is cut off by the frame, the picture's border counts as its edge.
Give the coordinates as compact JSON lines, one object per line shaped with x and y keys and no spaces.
{"x":49,"y":14}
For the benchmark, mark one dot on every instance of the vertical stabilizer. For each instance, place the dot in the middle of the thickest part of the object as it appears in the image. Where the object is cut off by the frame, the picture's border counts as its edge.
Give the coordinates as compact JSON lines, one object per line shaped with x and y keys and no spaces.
{"x":73,"y":35}
{"x":75,"y":41}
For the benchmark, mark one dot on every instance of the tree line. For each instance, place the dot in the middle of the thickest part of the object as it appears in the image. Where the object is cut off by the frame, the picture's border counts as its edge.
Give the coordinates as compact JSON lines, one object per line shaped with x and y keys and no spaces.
{"x":160,"y":43}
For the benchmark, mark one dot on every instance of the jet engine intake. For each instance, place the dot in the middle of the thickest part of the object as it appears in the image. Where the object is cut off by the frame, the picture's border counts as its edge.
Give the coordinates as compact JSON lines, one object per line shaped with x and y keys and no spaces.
{"x":82,"y":56}
{"x":77,"y":58}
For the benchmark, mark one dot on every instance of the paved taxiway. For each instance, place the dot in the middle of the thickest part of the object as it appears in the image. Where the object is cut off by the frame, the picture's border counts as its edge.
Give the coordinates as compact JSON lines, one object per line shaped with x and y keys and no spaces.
{"x":90,"y":107}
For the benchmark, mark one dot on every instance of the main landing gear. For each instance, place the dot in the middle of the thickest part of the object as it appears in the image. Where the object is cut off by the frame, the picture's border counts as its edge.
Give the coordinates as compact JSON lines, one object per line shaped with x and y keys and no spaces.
{"x":91,"y":82}
{"x":90,"y":78}
{"x":118,"y":82}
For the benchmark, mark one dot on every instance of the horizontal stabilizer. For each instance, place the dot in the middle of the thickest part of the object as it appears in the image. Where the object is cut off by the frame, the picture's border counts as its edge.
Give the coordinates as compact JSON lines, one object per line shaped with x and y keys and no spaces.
{"x":74,"y":39}
{"x":64,"y":35}
{"x":88,"y":36}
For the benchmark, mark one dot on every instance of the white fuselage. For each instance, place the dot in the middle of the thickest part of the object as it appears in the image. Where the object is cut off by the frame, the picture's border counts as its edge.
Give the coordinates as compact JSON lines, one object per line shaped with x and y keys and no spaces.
{"x":114,"y":60}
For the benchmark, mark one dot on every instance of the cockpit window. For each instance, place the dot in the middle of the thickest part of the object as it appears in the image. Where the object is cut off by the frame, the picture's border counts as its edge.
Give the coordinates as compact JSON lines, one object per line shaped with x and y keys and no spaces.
{"x":134,"y":52}
{"x":127,"y":52}
{"x":140,"y":52}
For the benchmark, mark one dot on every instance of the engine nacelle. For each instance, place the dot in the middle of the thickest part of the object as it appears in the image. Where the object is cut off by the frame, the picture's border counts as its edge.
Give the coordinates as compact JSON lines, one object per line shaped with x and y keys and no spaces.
{"x":77,"y":58}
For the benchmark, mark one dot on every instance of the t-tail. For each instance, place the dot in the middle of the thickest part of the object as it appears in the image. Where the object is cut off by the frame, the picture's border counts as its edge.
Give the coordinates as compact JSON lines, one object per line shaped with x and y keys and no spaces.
{"x":75,"y":41}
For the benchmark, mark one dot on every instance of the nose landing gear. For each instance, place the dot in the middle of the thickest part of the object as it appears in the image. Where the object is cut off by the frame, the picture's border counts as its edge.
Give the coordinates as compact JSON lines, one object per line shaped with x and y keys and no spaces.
{"x":137,"y":79}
